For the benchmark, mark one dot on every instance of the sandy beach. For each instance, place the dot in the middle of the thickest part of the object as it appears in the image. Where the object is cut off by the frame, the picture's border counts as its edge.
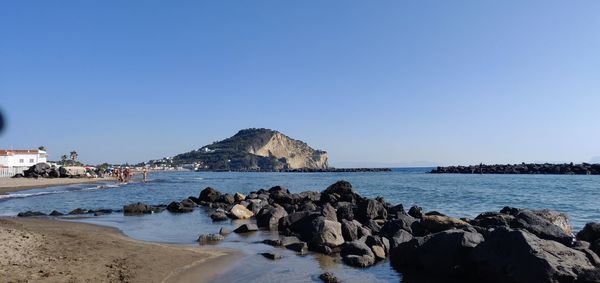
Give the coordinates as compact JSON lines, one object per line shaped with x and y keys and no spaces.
{"x":19,"y":184}
{"x":43,"y":250}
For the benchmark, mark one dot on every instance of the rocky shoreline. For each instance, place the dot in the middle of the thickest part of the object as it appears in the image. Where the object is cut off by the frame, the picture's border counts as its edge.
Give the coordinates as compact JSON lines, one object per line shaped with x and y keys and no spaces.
{"x":532,"y":168}
{"x":512,"y":245}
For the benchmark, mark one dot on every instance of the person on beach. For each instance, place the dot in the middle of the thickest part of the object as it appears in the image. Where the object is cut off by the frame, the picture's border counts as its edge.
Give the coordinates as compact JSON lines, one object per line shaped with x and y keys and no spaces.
{"x":145,"y":174}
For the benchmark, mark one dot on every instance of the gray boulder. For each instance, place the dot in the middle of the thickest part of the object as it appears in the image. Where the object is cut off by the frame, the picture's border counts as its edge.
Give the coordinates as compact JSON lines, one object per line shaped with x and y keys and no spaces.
{"x":210,"y":238}
{"x":326,"y":232}
{"x":269,"y":217}
{"x":245,"y":228}
{"x":178,"y":207}
{"x":209,"y":195}
{"x":541,"y":227}
{"x":518,"y":256}
{"x":138,"y":208}
{"x":358,"y":254}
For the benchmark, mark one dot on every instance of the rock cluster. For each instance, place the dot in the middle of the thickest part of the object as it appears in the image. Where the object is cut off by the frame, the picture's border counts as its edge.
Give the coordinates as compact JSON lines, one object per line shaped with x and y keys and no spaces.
{"x":45,"y":170}
{"x":512,"y":245}
{"x":547,"y":168}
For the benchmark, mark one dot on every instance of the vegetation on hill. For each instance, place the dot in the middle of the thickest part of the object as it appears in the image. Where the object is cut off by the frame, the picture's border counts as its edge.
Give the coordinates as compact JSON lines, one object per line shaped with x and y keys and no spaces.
{"x":238,"y":153}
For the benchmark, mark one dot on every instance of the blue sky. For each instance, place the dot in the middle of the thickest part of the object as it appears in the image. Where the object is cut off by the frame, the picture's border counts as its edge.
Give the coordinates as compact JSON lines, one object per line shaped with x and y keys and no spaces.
{"x":372,"y":82}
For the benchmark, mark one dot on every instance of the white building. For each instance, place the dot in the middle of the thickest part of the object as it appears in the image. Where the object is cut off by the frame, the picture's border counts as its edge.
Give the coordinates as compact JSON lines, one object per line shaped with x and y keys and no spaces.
{"x":21,"y":158}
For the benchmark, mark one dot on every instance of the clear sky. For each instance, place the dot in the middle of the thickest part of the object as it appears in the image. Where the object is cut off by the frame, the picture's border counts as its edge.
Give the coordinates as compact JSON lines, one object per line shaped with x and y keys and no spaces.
{"x":372,"y":82}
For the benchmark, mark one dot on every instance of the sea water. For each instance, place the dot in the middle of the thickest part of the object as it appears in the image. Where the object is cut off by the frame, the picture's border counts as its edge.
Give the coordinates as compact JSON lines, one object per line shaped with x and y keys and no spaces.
{"x":455,"y":195}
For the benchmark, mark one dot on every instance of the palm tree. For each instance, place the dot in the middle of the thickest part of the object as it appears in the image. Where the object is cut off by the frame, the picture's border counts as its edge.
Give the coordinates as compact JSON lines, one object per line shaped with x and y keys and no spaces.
{"x":73,"y":155}
{"x":63,"y":159}
{"x":43,"y":148}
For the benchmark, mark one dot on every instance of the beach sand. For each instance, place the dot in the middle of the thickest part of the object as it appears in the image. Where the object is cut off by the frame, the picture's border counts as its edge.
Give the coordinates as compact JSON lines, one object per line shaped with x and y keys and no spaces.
{"x":20,"y":184}
{"x":44,"y":250}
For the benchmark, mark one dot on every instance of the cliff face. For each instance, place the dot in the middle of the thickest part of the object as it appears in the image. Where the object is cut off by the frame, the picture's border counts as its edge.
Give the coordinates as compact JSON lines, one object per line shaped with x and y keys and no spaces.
{"x":256,"y":149}
{"x":297,"y":154}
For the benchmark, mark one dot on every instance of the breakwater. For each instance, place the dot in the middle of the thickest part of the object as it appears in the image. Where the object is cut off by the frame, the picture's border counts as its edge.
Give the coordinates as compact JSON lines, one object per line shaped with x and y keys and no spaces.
{"x":531,"y":168}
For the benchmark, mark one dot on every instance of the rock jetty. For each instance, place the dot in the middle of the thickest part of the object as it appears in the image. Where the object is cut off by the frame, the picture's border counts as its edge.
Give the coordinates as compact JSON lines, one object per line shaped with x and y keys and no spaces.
{"x":511,"y":245}
{"x":546,"y":168}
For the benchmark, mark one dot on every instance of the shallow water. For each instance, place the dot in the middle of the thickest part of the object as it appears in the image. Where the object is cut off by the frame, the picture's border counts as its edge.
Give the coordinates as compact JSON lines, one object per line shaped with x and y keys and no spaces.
{"x":456,"y":195}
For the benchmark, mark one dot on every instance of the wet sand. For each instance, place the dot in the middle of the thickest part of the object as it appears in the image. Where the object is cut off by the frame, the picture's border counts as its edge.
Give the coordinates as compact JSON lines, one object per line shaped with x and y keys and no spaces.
{"x":44,"y":250}
{"x":19,"y":184}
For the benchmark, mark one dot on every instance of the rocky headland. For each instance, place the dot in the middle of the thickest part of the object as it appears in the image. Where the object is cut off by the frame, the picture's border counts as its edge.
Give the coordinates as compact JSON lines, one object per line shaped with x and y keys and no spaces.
{"x":255,"y":150}
{"x":511,"y":245}
{"x":532,"y":168}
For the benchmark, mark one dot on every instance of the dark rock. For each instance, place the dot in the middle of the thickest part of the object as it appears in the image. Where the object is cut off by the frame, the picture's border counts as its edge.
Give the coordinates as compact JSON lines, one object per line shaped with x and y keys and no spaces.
{"x":438,"y":223}
{"x":400,"y":237}
{"x":210,"y":238}
{"x":589,"y":276}
{"x":272,"y":242}
{"x":245,"y":228}
{"x":328,"y":277}
{"x":272,"y":256}
{"x":519,"y":256}
{"x":300,"y":247}
{"x":371,"y":209}
{"x":195,"y":200}
{"x":391,"y":228}
{"x":345,"y":210}
{"x":256,"y":205}
{"x":56,"y":213}
{"x":590,"y":233}
{"x":209,"y":195}
{"x":219,"y":216}
{"x":595,"y":246}
{"x":415,"y":211}
{"x":541,"y":227}
{"x":138,"y":208}
{"x":227,"y":198}
{"x":298,"y":222}
{"x":373,"y":226}
{"x":269,"y":217}
{"x":339,"y":188}
{"x":321,"y":249}
{"x":78,"y":211}
{"x":238,"y":197}
{"x":177,"y":207}
{"x":308,"y":206}
{"x":326,"y":232}
{"x":350,"y":230}
{"x":357,"y":254}
{"x":377,"y":246}
{"x":329,"y":212}
{"x":30,"y":213}
{"x":359,"y":261}
{"x":188,"y":203}
{"x":281,"y":195}
{"x":101,"y":212}
{"x":447,"y":251}
{"x":289,"y":240}
{"x":395,"y":210}
{"x":493,"y":219}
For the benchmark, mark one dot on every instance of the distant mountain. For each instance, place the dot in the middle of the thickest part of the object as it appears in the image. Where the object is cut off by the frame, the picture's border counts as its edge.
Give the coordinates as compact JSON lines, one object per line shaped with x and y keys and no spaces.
{"x":255,"y":149}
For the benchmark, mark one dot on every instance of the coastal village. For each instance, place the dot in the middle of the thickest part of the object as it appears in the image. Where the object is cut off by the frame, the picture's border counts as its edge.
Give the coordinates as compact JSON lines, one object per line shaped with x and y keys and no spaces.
{"x":35,"y":163}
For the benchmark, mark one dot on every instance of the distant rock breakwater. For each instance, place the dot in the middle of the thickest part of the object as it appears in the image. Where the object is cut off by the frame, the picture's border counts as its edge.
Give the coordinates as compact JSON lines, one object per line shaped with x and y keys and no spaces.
{"x":547,"y":168}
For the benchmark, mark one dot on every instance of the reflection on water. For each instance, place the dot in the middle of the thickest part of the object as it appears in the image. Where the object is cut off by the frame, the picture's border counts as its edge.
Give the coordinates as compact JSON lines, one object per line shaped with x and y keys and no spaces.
{"x":457,"y":195}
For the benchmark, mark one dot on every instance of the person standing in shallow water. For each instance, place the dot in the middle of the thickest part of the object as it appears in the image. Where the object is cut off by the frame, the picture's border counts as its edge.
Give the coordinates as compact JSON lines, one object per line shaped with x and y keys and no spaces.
{"x":145,"y":174}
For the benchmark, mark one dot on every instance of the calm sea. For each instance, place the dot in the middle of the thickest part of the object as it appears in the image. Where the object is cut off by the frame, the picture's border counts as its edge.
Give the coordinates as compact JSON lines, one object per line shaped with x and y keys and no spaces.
{"x":455,"y":195}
